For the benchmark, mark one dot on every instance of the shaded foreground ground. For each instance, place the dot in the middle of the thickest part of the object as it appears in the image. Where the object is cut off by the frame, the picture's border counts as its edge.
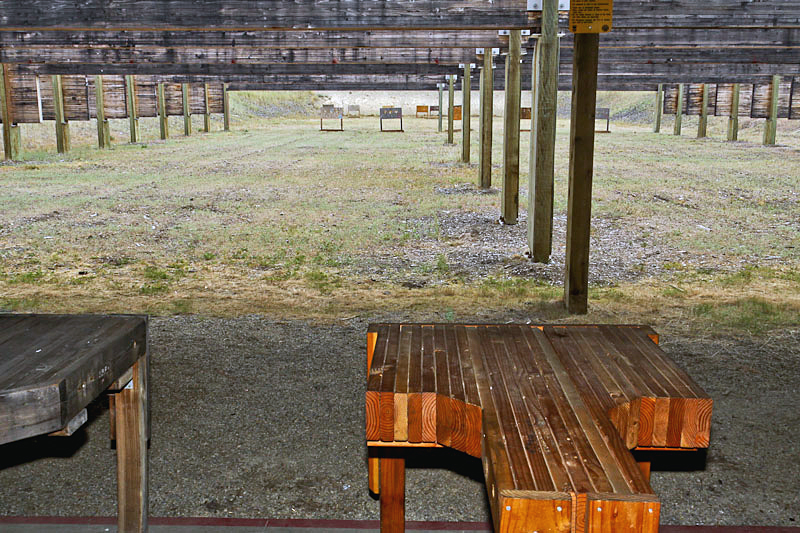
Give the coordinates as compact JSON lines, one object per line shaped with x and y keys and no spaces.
{"x":264,"y":419}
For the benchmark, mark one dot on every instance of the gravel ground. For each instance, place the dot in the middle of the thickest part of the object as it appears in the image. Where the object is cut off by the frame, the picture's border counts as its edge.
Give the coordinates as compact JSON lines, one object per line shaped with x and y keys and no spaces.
{"x":260,"y":418}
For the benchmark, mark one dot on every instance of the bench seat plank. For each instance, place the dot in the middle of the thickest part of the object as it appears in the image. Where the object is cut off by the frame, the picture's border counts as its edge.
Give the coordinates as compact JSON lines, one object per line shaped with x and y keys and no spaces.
{"x":552,"y":411}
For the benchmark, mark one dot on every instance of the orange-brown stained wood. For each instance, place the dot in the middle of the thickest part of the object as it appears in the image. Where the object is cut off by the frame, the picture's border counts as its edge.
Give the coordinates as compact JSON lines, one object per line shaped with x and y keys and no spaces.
{"x":616,"y":516}
{"x":523,"y":515}
{"x":392,"y":475}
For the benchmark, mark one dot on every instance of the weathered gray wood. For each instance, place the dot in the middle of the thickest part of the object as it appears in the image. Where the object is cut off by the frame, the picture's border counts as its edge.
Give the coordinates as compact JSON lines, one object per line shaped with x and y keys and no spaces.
{"x":487,"y":110}
{"x":52,"y":366}
{"x":163,"y":122}
{"x":581,"y":170}
{"x":274,"y":15}
{"x":11,"y":133}
{"x":226,"y":108}
{"x":187,"y":114}
{"x":466,"y":114}
{"x":771,"y":124}
{"x":510,"y":198}
{"x":103,"y":128}
{"x":702,"y":124}
{"x":679,"y":114}
{"x":441,"y":90}
{"x":207,"y":113}
{"x":659,"y":103}
{"x":62,"y":125}
{"x":543,"y":138}
{"x":133,"y":112}
{"x":450,"y":109}
{"x":733,"y":118}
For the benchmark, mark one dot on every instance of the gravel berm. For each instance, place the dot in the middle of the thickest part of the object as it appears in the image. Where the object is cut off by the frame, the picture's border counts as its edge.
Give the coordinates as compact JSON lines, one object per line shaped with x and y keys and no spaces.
{"x":253,"y":417}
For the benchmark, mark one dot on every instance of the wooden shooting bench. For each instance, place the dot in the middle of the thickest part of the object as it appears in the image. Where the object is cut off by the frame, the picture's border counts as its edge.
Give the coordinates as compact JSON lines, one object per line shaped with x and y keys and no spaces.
{"x":53,"y":366}
{"x":553,"y":411}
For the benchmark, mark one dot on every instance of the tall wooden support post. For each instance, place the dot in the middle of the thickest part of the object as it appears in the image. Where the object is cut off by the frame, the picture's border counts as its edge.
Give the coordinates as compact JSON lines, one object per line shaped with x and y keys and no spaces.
{"x":103,"y":129}
{"x":510,"y":201}
{"x":771,"y":125}
{"x":187,"y":114}
{"x":702,"y":124}
{"x":226,"y":108}
{"x":133,"y":108}
{"x":450,"y":110}
{"x":131,"y":427}
{"x":541,"y":171}
{"x":581,"y":169}
{"x":163,"y":119}
{"x":733,"y":117}
{"x":678,"y":111}
{"x":441,"y":101}
{"x":466,"y":113}
{"x":11,"y":135}
{"x":62,"y":125}
{"x":659,"y":104}
{"x":487,"y":108}
{"x":393,"y":499}
{"x":207,"y":113}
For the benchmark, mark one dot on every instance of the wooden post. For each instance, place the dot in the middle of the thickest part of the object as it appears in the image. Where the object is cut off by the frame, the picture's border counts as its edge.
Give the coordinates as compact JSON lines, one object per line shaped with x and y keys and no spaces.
{"x":771,"y":125}
{"x":702,"y":124}
{"x":441,"y":90}
{"x":133,"y":108}
{"x":163,"y":118}
{"x":541,"y":172}
{"x":226,"y":108}
{"x":450,"y":109}
{"x":11,"y":134}
{"x":510,"y":200}
{"x":393,"y":498}
{"x":581,"y":169}
{"x":487,"y":109}
{"x":187,"y":114}
{"x":659,"y":105}
{"x":466,"y":112}
{"x":733,"y":116}
{"x":62,"y":125}
{"x":103,"y":129}
{"x":131,"y":427}
{"x":207,"y":114}
{"x":678,"y":111}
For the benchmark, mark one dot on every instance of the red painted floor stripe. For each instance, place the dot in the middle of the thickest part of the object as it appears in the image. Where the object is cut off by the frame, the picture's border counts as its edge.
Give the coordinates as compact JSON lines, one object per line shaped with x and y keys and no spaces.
{"x":347,"y":524}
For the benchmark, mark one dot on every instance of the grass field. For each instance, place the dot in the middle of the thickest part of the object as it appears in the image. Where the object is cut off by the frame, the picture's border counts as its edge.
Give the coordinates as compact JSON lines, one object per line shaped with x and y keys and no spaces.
{"x":278,"y":218}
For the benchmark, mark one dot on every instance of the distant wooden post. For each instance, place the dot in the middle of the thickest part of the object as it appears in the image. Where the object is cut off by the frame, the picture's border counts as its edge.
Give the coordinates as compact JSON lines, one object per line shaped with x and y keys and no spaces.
{"x":702,"y":124}
{"x":441,"y":90}
{"x":226,"y":108}
{"x":62,"y":125}
{"x":659,"y":104}
{"x":510,"y":200}
{"x":187,"y":114}
{"x":733,"y":117}
{"x":541,"y":172}
{"x":133,"y":108}
{"x":487,"y":108}
{"x":11,"y":134}
{"x":207,"y":114}
{"x":771,"y":125}
{"x":163,"y":119}
{"x":450,"y":110}
{"x":466,"y":94}
{"x":103,"y":129}
{"x":678,"y":111}
{"x":581,"y":170}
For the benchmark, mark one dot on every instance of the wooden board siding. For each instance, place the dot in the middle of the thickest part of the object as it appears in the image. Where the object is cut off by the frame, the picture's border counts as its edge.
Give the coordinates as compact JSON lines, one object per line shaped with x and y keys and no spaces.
{"x":552,"y":411}
{"x":754,"y":99}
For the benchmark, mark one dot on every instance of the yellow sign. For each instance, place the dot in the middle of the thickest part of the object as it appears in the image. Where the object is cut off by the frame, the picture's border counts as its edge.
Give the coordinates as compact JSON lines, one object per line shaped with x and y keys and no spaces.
{"x":590,"y":16}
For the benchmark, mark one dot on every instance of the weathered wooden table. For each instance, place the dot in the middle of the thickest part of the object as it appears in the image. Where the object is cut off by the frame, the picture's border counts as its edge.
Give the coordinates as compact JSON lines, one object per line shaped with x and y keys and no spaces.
{"x":553,"y":412}
{"x":53,"y":366}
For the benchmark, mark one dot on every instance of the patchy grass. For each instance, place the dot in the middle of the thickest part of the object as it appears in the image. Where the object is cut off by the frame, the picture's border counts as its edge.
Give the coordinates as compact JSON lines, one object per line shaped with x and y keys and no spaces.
{"x":275,"y":217}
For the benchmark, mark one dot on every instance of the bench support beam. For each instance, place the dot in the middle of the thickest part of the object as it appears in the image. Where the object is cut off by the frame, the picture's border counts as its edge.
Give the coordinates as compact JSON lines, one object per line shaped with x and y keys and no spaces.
{"x":581,"y":169}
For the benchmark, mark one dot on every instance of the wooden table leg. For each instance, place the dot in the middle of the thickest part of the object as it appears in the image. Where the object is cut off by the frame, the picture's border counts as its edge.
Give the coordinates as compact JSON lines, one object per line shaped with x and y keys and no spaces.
{"x":131,"y":421}
{"x":373,"y":471}
{"x":393,"y":494}
{"x":644,"y":466}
